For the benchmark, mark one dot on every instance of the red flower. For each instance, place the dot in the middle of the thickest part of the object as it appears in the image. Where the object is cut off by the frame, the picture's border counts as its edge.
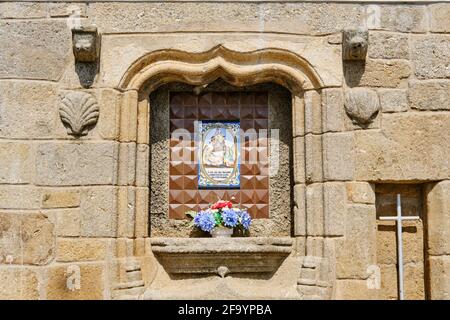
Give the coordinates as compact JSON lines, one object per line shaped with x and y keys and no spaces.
{"x":222,"y":204}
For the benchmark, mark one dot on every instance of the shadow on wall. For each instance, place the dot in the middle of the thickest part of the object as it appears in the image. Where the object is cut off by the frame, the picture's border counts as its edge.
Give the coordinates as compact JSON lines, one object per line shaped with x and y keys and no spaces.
{"x":353,"y":72}
{"x":86,"y":72}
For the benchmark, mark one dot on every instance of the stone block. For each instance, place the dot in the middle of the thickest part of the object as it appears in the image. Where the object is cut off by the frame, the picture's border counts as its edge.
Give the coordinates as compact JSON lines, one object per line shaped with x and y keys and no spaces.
{"x":60,"y":198}
{"x":74,"y":10}
{"x":108,"y":122}
{"x":431,"y":56}
{"x":433,"y":95}
{"x":66,"y":222}
{"x":26,"y":238}
{"x":306,"y":18}
{"x":439,"y":278}
{"x":314,"y":209}
{"x":99,"y":212}
{"x":440,"y":17}
{"x":19,"y":197}
{"x":377,"y":73}
{"x":17,"y":162}
{"x":357,"y":250}
{"x":23,"y":10}
{"x":313,"y":155}
{"x":393,"y":100}
{"x":335,"y":206}
{"x":404,"y":18}
{"x":91,"y":283}
{"x":81,"y":249}
{"x":29,"y":110}
{"x":34,"y":49}
{"x":313,"y":110}
{"x":18,"y":283}
{"x":395,"y":152}
{"x":354,"y":290}
{"x":360,"y":192}
{"x":299,"y":159}
{"x":333,"y":114}
{"x":383,"y":45}
{"x":142,"y":165}
{"x":438,"y":220}
{"x":338,"y":156}
{"x":60,"y":164}
{"x":299,"y":210}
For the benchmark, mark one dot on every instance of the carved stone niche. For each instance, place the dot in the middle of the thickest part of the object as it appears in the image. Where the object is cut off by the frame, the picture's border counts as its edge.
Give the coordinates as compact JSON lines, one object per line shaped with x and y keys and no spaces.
{"x":86,"y":44}
{"x":354,"y":44}
{"x":221,"y":256}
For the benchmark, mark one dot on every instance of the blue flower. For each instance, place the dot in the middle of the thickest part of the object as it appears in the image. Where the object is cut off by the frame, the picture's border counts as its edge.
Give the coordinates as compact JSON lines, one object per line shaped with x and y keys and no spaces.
{"x":205,"y":221}
{"x":245,"y":219}
{"x":229,"y":217}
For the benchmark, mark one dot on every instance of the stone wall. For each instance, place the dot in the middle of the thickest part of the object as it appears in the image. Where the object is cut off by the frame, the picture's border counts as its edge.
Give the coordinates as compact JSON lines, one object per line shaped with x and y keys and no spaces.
{"x":75,"y":203}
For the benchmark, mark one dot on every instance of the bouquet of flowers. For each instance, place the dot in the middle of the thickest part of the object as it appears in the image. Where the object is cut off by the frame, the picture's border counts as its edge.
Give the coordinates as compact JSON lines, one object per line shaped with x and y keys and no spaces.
{"x":219,"y":216}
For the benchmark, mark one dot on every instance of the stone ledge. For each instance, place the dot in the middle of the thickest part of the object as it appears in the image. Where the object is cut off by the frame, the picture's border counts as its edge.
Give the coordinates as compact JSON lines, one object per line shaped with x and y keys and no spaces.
{"x":221,"y":256}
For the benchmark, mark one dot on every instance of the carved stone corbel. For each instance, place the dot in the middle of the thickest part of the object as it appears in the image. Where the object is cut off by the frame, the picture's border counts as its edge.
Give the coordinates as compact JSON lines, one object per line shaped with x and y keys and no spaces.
{"x":361,"y":105}
{"x":86,"y":44}
{"x":354,"y":44}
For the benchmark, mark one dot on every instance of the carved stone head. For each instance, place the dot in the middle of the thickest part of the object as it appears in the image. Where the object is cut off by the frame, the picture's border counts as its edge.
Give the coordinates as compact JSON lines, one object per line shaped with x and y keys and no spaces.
{"x":354,"y":44}
{"x":85,"y":44}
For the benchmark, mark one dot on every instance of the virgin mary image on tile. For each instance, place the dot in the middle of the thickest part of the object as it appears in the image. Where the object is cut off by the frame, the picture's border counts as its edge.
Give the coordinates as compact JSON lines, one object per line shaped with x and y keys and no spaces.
{"x":219,"y":161}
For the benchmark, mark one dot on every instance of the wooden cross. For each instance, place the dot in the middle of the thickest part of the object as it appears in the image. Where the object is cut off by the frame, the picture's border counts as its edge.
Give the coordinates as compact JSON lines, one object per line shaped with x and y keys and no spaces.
{"x":399,"y":219}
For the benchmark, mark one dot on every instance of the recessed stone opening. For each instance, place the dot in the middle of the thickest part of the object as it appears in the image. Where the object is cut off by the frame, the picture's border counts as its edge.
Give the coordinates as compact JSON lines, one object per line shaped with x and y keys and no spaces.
{"x":268,"y":198}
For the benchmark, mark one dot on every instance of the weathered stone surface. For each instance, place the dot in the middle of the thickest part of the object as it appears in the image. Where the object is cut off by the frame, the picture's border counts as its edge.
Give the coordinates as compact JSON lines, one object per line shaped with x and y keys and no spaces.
{"x":60,"y":9}
{"x":333,"y":115}
{"x":57,"y":198}
{"x":18,"y":283}
{"x":61,"y":164}
{"x":300,"y":210}
{"x":377,"y":73}
{"x":335,"y":200}
{"x":438,"y":211}
{"x":233,"y":255}
{"x":360,"y":192}
{"x":431,"y":56}
{"x":34,"y":49}
{"x":395,"y":152}
{"x":313,"y":158}
{"x":28,"y":110}
{"x":354,"y":290}
{"x":434,"y":95}
{"x":406,"y":18}
{"x":17,"y":162}
{"x":357,"y":250}
{"x":108,"y":122}
{"x":66,"y":222}
{"x":314,"y":209}
{"x":383,"y":45}
{"x":440,"y":278}
{"x":19,"y":197}
{"x":338,"y":156}
{"x":306,"y":18}
{"x":91,"y":283}
{"x":70,"y":250}
{"x":393,"y":100}
{"x":440,"y":17}
{"x":99,"y":212}
{"x":26,"y":238}
{"x":23,"y":10}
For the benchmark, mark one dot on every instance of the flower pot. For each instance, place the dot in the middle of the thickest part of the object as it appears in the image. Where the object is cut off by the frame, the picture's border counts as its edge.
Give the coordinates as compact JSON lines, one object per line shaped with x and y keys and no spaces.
{"x":221,"y":232}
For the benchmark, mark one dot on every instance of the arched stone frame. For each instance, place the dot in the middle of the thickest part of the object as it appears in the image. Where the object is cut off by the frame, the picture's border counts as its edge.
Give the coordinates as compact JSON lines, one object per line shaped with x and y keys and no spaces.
{"x":239,"y":69}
